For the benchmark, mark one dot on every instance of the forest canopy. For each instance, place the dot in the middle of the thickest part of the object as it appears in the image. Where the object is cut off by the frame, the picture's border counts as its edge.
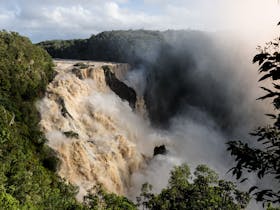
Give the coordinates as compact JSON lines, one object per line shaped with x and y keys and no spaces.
{"x":27,"y":177}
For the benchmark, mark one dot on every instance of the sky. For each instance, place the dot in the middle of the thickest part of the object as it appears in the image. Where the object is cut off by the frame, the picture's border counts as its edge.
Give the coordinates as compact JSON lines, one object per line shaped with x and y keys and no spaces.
{"x":65,"y":19}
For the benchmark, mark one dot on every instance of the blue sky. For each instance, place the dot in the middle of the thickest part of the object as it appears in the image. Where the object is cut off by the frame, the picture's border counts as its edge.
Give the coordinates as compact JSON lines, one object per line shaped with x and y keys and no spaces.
{"x":62,"y":19}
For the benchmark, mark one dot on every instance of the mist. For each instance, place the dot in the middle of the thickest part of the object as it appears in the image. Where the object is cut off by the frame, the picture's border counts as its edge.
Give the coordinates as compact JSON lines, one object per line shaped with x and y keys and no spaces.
{"x":200,"y":92}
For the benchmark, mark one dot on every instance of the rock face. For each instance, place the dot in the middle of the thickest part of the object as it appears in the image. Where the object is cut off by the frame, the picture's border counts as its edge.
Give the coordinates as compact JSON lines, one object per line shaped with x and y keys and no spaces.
{"x":91,"y":126}
{"x":160,"y":150}
{"x":120,"y":88}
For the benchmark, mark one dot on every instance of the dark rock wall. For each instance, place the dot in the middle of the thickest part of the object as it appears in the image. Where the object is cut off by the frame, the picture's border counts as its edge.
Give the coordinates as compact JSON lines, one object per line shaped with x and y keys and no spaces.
{"x":121,"y":89}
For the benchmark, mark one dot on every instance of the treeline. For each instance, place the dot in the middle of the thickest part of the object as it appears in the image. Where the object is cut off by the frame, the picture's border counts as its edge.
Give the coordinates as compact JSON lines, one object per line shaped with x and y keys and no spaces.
{"x":132,"y":46}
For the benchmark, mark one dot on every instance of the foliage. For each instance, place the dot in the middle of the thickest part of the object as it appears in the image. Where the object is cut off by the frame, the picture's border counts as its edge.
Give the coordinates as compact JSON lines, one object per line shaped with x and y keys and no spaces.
{"x":264,"y":161}
{"x":60,"y":48}
{"x":71,"y":134}
{"x":81,"y":65}
{"x":31,"y":67}
{"x":101,"y":200}
{"x":27,"y":180}
{"x":270,"y":207}
{"x":116,"y":46}
{"x":205,"y":191}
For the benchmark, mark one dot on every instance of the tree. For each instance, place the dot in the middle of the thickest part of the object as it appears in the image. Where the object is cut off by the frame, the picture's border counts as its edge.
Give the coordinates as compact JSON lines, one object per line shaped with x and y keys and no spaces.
{"x":99,"y":199}
{"x":264,"y":161}
{"x":205,"y":191}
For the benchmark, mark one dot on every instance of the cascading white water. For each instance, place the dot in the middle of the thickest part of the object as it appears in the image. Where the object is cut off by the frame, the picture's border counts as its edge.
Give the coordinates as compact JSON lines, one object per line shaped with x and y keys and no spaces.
{"x":109,"y":140}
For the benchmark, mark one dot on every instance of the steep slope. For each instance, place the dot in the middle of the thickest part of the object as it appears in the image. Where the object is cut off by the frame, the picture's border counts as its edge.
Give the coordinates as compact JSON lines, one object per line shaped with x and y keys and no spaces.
{"x":27,"y":177}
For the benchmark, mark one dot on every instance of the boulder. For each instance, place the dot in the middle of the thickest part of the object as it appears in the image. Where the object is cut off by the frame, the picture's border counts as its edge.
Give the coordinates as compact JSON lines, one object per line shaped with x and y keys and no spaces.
{"x":160,"y":150}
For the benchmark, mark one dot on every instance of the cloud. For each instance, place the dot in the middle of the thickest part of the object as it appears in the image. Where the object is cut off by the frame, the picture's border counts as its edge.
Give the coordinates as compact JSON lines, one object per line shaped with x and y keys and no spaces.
{"x":51,"y":19}
{"x":68,"y":19}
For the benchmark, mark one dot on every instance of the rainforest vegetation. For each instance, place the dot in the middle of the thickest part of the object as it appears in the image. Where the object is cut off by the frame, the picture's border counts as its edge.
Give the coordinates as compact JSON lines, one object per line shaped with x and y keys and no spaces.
{"x":263,"y":161}
{"x":27,"y":173}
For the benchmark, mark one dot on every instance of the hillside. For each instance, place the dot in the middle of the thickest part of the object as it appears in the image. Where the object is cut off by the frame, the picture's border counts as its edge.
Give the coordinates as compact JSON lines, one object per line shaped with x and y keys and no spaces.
{"x":132,"y":46}
{"x":27,"y":174}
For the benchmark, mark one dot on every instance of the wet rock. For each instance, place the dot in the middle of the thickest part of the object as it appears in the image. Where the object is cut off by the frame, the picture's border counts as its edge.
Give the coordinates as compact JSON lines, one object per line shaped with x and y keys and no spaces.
{"x":121,"y":89}
{"x":160,"y":150}
{"x":63,"y":109}
{"x":71,"y":134}
{"x":77,"y":72}
{"x":81,"y":65}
